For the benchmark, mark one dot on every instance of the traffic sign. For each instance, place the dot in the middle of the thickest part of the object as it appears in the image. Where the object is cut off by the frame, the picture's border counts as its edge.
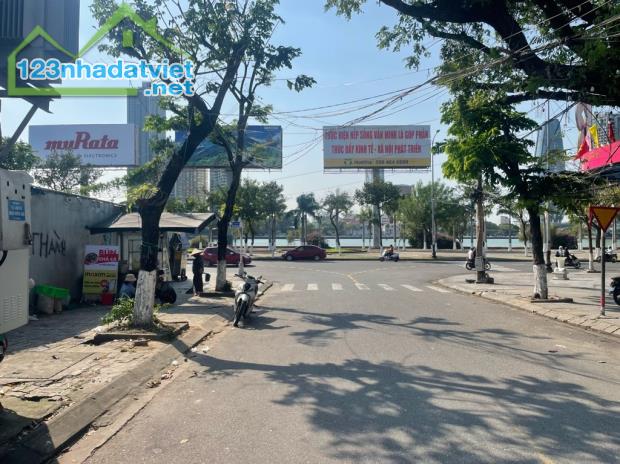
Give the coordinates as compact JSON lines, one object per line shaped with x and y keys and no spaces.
{"x":235,"y":224}
{"x":604,"y":215}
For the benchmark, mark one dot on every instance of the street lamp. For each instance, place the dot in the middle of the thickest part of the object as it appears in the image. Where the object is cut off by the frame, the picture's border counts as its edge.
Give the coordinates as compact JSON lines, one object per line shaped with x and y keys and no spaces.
{"x":433,"y":225}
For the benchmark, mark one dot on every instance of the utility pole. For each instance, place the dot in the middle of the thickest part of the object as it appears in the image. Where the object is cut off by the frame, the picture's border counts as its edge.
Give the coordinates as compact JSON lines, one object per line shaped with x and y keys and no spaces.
{"x":433,"y":225}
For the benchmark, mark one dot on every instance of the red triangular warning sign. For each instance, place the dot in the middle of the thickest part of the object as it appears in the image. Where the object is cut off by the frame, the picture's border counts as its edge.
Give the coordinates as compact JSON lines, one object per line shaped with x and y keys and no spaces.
{"x":604,"y":215}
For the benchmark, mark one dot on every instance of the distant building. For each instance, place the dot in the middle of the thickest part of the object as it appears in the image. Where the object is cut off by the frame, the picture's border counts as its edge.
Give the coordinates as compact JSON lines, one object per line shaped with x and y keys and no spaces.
{"x":405,"y":190}
{"x":219,"y":179}
{"x":138,"y":109}
{"x":601,"y":121}
{"x":192,"y":183}
{"x":549,"y":143}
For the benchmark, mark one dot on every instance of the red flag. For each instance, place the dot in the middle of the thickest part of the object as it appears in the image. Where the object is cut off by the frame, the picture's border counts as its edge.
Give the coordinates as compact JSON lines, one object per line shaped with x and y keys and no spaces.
{"x":583,"y":149}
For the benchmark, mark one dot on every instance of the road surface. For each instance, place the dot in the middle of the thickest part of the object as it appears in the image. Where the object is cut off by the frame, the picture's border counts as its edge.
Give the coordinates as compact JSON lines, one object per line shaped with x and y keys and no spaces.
{"x":373,"y":362}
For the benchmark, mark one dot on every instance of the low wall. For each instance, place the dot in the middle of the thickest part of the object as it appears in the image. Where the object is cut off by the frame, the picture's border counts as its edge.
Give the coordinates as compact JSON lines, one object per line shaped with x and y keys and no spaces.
{"x":59,"y":230}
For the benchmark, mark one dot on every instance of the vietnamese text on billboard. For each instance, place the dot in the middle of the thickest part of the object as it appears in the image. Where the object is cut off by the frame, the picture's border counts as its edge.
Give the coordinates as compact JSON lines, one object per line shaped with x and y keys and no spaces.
{"x":390,"y":147}
{"x":263,"y":146}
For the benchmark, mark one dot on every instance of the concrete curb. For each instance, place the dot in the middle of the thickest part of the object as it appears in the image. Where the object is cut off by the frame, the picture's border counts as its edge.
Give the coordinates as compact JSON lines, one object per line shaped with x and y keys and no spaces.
{"x":594,"y":324}
{"x":47,"y":439}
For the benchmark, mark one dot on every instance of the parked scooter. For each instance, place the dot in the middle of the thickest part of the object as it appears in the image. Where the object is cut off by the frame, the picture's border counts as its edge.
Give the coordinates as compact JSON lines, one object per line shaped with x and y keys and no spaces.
{"x":386,"y":256}
{"x":470,"y":264}
{"x":614,"y":289}
{"x":610,"y":257}
{"x":245,"y":296}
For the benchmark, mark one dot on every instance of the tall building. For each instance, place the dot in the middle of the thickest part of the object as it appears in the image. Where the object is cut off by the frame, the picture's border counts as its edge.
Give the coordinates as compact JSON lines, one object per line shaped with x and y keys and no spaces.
{"x":601,"y":121}
{"x":192,"y":183}
{"x":219,"y":179}
{"x":138,"y":109}
{"x":549,"y":142}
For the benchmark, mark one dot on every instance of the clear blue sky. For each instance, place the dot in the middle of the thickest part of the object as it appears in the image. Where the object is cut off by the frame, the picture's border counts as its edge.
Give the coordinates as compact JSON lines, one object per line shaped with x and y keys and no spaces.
{"x":344,"y":59}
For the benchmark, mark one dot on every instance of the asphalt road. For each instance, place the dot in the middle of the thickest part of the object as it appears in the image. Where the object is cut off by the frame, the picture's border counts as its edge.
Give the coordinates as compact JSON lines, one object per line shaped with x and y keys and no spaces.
{"x":371,"y":362}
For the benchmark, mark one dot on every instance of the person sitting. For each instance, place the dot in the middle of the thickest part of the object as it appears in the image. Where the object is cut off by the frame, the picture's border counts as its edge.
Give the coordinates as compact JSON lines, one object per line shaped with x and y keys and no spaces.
{"x":567,"y":253}
{"x":471,"y":254}
{"x":128,"y":289}
{"x":389,"y":251}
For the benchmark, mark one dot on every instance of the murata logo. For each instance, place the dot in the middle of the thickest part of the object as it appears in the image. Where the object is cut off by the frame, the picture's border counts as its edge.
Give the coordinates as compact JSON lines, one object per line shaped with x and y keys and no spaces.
{"x":84,"y":141}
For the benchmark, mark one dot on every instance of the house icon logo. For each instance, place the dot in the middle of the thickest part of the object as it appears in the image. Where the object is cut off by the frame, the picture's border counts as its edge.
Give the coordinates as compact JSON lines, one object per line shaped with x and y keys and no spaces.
{"x":124,"y":12}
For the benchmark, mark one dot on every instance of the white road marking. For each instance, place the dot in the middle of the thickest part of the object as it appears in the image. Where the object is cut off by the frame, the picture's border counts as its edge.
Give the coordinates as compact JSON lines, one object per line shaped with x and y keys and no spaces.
{"x":412,"y":288}
{"x":386,"y":287}
{"x":288,"y":287}
{"x":337,"y":287}
{"x":438,"y":289}
{"x":362,"y":286}
{"x":502,"y":268}
{"x":313,"y":287}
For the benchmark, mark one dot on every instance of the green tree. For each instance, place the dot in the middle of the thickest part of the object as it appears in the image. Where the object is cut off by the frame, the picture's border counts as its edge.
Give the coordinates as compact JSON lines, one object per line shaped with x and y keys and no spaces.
{"x":188,"y":205}
{"x":19,"y":157}
{"x":249,"y":207}
{"x":273,"y":205}
{"x":307,"y":206}
{"x":64,"y":172}
{"x":380,"y":195}
{"x":483,"y":144}
{"x":531,"y":49}
{"x":336,"y":204}
{"x":365,"y":217}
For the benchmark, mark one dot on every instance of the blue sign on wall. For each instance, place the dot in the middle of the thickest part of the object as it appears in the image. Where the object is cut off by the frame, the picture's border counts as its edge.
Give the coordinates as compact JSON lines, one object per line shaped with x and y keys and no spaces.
{"x":17,"y":210}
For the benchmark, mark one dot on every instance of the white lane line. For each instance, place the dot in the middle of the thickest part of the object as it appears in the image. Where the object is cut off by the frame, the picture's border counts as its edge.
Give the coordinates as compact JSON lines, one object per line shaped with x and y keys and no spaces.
{"x":438,"y":289}
{"x":362,"y":286}
{"x":386,"y":287}
{"x":288,"y":288}
{"x":502,"y":268}
{"x":336,"y":287}
{"x":412,"y":288}
{"x":313,"y":287}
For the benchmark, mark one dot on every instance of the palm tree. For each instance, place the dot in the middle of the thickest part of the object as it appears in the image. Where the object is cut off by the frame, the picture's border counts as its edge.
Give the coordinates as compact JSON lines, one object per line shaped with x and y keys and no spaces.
{"x":335,"y":204}
{"x":365,"y":217}
{"x":306,"y":206}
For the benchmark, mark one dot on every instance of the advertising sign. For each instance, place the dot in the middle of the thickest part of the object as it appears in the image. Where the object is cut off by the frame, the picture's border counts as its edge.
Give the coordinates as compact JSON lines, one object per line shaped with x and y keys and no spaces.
{"x":366,"y":147}
{"x":263,"y":144}
{"x":96,"y":144}
{"x":100,"y":269}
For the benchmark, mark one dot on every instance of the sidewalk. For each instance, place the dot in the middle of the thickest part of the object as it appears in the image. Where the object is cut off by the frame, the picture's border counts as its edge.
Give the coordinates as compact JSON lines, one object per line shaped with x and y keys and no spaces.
{"x":54,"y":382}
{"x":515,"y":289}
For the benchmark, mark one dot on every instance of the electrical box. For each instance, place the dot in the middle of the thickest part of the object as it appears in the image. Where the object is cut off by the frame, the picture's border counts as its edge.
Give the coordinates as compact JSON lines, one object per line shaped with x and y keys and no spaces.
{"x":15,"y":211}
{"x":13,"y":289}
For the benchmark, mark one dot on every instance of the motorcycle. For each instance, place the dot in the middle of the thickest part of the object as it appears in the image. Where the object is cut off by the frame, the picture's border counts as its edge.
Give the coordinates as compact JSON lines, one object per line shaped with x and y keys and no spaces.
{"x":470,"y":265}
{"x":614,"y":290}
{"x":572,"y":261}
{"x":610,"y":257}
{"x":389,"y":257}
{"x":245,"y":296}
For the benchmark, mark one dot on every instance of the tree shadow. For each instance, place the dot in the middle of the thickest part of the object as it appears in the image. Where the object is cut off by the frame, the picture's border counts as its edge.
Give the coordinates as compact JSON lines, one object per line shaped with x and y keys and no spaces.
{"x":390,"y":412}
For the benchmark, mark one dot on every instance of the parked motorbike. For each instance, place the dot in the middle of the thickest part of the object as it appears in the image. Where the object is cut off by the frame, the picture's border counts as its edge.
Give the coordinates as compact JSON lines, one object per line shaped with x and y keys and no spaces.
{"x":389,"y":257}
{"x":470,"y":265}
{"x":610,"y":257}
{"x":245,"y":296}
{"x":572,"y":261}
{"x":614,"y":290}
{"x":164,"y":291}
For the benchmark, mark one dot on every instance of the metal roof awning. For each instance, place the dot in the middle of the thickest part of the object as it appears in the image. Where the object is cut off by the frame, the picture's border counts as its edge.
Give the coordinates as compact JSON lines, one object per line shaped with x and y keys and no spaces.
{"x":191,"y":223}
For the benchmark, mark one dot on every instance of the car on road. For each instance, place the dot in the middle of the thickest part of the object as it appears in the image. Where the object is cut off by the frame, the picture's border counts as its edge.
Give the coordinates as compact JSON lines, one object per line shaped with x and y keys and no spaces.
{"x":305,"y":252}
{"x":232,"y":257}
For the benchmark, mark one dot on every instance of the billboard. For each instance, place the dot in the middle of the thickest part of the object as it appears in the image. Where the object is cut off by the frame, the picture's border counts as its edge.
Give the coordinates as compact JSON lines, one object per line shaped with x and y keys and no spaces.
{"x":263,"y":143}
{"x":366,"y":147}
{"x":100,"y":269}
{"x":96,"y":144}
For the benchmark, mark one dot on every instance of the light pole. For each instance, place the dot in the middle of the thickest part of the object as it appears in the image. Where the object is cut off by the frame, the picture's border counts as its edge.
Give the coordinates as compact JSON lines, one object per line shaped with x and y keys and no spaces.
{"x":433,"y":225}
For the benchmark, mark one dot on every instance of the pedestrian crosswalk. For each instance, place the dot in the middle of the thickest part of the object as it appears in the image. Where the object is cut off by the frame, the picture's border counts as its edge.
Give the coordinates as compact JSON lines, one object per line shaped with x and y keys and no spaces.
{"x":338,"y":287}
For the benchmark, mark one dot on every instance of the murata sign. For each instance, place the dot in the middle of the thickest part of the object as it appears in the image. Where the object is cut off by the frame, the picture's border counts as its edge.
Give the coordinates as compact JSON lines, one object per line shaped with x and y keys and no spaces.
{"x":389,"y":147}
{"x":96,"y":144}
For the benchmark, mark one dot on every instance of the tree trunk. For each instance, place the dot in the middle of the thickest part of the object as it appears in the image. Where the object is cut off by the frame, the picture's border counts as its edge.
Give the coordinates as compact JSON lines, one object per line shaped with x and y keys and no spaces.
{"x":147,"y":277}
{"x":454,"y":237}
{"x":335,"y":225}
{"x":380,"y":228}
{"x":509,"y":235}
{"x":222,"y":228}
{"x":424,"y":239}
{"x":540,"y":268}
{"x":363,"y":236}
{"x":481,"y":275}
{"x":273,"y":235}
